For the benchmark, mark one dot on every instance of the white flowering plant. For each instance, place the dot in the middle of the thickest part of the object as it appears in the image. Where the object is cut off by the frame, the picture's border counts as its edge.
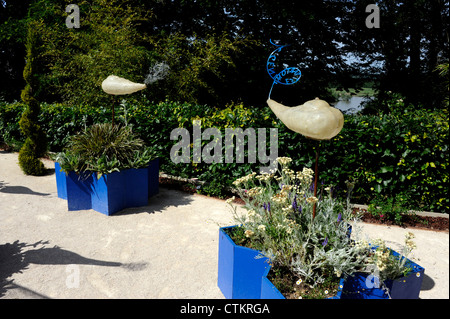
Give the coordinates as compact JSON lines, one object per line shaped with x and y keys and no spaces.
{"x":279,"y":223}
{"x":387,"y":266}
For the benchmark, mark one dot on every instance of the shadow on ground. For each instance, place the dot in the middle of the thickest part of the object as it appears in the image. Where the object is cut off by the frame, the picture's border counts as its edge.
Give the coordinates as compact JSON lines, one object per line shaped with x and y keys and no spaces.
{"x":17,"y":256}
{"x":427,"y":283}
{"x":7,"y":189}
{"x":160,"y":202}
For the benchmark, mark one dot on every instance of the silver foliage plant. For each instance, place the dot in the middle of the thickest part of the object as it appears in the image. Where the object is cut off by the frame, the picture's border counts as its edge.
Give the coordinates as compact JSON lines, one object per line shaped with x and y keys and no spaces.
{"x":280,"y":224}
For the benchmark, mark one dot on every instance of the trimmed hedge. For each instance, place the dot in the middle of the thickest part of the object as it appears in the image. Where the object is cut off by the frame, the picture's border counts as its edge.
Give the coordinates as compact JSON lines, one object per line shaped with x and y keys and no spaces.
{"x":403,"y":153}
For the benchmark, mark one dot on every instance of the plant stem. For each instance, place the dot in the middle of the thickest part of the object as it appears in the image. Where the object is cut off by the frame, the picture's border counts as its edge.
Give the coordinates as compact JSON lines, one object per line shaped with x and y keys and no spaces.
{"x":114,"y":101}
{"x":316,"y":172}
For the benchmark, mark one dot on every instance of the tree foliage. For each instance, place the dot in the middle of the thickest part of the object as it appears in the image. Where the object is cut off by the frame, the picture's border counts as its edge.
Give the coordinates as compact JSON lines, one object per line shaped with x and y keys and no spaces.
{"x":403,"y":53}
{"x":35,"y":144}
{"x":217,"y":50}
{"x":107,"y":42}
{"x":12,"y":50}
{"x":199,"y":65}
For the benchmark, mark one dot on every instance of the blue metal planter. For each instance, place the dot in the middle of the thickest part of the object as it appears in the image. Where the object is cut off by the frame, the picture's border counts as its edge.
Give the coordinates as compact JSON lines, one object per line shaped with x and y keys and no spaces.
{"x":361,"y":286}
{"x":135,"y":187}
{"x":108,"y":193}
{"x":61,"y":185}
{"x":241,"y":275}
{"x":240,"y":271}
{"x":268,"y":290}
{"x":111,"y":192}
{"x":79,"y":191}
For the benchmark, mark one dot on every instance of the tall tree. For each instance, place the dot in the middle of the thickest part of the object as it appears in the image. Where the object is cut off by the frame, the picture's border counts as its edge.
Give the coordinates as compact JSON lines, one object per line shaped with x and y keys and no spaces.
{"x":35,"y":144}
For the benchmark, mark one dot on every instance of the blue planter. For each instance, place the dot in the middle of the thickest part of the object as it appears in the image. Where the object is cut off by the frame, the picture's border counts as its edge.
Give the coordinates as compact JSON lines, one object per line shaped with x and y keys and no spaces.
{"x":79,"y":191}
{"x":268,"y":290}
{"x":240,"y":271}
{"x":242,"y":276}
{"x":116,"y":191}
{"x":61,"y":185}
{"x":360,"y":286}
{"x":111,"y":192}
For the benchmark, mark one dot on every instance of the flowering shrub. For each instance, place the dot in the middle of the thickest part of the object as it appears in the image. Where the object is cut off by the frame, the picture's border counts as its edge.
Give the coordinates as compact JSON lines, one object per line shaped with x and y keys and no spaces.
{"x":387,"y":266}
{"x":279,"y":223}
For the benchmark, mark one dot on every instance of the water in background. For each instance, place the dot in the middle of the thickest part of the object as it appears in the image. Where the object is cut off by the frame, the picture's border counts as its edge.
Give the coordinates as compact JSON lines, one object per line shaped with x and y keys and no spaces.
{"x":350,"y":106}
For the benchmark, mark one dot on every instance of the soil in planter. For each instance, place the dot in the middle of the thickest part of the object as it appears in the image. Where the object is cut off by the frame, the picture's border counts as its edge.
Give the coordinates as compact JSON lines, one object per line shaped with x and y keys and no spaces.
{"x":237,"y":235}
{"x":293,"y":287}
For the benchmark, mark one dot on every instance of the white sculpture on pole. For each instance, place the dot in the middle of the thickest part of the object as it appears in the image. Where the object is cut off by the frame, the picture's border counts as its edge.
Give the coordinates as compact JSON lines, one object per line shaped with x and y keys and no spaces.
{"x":315,"y":119}
{"x":116,"y":85}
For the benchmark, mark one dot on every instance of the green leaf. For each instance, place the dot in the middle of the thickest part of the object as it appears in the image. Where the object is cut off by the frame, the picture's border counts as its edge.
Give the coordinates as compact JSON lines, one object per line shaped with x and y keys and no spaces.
{"x":386,"y":169}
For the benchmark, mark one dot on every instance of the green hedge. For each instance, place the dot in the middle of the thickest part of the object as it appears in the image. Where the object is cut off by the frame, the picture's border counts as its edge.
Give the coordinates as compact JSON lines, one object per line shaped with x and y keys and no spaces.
{"x":401,"y":153}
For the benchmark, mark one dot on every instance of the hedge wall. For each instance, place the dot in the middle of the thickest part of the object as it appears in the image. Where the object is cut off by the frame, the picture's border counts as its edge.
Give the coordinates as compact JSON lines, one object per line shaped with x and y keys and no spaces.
{"x":400,"y":153}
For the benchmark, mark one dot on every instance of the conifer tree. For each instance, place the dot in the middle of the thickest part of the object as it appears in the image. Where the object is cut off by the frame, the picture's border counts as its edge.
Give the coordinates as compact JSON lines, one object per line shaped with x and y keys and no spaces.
{"x":35,"y":144}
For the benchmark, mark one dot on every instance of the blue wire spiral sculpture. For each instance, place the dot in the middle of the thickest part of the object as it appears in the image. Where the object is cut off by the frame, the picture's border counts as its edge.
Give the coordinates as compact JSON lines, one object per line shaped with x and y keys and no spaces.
{"x":287,"y":76}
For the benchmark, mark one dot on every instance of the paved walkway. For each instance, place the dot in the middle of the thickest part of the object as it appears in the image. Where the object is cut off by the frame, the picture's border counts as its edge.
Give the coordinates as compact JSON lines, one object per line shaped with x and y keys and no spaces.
{"x":167,"y":249}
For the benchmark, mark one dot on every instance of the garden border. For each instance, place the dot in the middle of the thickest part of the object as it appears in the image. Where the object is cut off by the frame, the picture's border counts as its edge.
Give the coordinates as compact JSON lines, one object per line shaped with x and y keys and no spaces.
{"x":196,"y":181}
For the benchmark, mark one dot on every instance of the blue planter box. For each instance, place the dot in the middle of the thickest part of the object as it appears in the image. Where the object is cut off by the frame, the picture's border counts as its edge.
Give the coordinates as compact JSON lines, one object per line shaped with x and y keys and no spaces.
{"x":79,"y":191}
{"x":239,"y":271}
{"x":360,"y":286}
{"x":268,"y":290}
{"x":61,"y":185}
{"x":111,"y":192}
{"x":242,"y":276}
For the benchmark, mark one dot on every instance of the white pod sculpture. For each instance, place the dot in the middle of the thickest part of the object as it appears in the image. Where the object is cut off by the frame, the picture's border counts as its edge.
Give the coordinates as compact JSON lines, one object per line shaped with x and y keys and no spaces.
{"x":315,"y":119}
{"x":119,"y":86}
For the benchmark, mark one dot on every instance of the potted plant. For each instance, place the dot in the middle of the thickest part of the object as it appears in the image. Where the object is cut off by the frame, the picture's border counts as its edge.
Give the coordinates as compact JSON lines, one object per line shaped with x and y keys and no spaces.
{"x":106,"y":168}
{"x":288,"y":250}
{"x":388,"y":274}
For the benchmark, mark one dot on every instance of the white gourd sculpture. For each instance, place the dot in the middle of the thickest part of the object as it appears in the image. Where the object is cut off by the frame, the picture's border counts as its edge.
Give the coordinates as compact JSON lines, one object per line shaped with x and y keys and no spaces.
{"x":315,"y":119}
{"x":116,"y":85}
